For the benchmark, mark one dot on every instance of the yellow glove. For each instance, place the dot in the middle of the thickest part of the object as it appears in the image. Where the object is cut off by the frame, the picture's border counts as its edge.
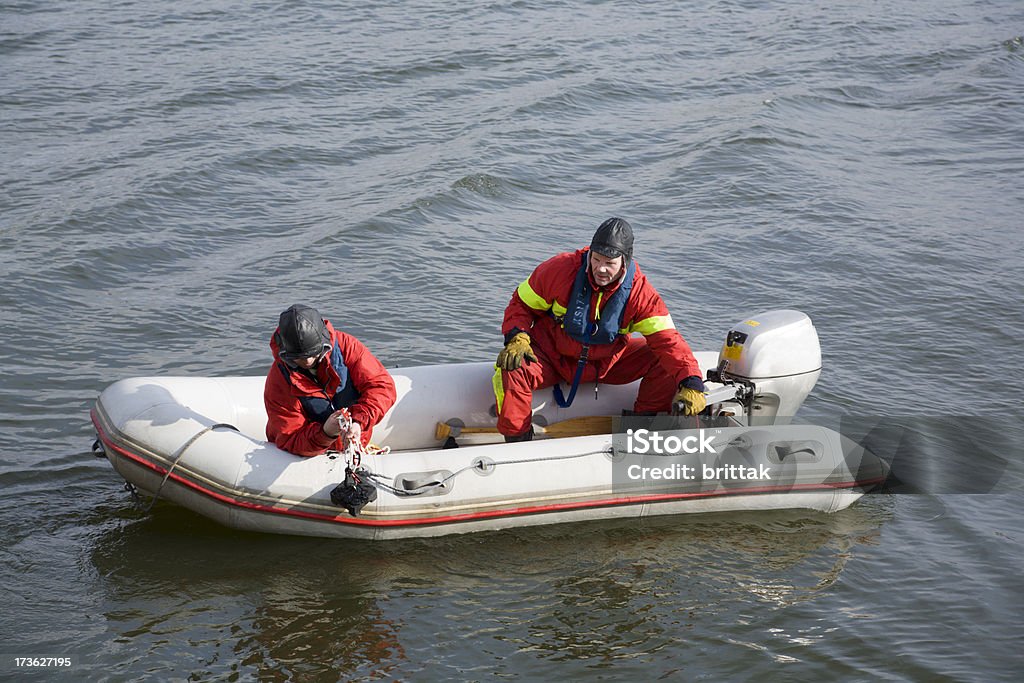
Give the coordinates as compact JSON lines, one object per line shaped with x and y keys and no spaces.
{"x":518,"y":348}
{"x":689,"y":401}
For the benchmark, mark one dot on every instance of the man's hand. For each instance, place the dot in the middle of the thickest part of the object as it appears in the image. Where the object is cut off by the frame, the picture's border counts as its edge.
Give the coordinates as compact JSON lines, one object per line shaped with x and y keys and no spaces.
{"x":689,"y":401}
{"x":354,"y":437}
{"x":332,"y":425}
{"x":517,"y":349}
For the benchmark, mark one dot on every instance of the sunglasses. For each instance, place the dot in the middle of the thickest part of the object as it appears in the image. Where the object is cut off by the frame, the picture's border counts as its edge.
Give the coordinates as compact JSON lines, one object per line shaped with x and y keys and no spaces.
{"x":291,"y":357}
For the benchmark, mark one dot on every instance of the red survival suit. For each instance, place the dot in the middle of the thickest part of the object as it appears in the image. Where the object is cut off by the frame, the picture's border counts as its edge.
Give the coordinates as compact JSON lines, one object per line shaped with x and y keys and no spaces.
{"x":349,"y":376}
{"x":539,"y":307}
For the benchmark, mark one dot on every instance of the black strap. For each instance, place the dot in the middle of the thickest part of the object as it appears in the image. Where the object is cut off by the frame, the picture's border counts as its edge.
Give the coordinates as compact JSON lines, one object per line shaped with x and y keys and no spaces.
{"x":560,"y":398}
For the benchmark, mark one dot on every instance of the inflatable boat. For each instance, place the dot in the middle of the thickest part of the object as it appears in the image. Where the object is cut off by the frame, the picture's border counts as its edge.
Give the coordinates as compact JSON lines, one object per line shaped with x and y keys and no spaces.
{"x":443,"y":469}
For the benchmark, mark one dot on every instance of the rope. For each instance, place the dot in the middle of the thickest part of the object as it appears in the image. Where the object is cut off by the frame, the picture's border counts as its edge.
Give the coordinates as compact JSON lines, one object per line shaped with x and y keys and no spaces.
{"x":380,"y":478}
{"x":354,"y":449}
{"x":177,"y":456}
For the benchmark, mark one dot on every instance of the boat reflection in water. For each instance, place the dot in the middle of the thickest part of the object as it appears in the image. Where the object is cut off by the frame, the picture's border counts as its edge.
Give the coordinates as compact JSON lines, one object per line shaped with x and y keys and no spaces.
{"x":598,"y":591}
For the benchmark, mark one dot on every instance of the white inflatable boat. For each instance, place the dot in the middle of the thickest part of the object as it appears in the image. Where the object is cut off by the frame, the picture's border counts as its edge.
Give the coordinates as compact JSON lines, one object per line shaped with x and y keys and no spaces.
{"x":200,"y":442}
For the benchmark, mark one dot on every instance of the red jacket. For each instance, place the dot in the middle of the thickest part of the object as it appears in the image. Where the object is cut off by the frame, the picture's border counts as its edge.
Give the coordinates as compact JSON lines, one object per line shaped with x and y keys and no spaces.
{"x":545,"y":295}
{"x":297,"y":404}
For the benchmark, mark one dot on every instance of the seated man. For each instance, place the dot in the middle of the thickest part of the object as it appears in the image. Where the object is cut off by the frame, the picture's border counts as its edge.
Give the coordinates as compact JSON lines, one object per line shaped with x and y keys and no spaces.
{"x":317,"y":372}
{"x":572,"y":320}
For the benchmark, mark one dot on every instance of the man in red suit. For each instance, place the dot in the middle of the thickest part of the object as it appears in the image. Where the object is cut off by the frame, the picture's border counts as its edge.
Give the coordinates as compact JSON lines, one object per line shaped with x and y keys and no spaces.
{"x":573,"y":321}
{"x":318,"y":372}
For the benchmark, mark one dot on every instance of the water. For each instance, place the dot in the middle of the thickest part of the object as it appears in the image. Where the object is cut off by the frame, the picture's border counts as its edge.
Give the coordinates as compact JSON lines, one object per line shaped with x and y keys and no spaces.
{"x":176,"y":175}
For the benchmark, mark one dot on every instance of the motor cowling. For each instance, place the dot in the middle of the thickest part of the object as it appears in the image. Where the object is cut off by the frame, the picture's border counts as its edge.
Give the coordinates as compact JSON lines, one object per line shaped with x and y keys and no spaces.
{"x":778,"y":351}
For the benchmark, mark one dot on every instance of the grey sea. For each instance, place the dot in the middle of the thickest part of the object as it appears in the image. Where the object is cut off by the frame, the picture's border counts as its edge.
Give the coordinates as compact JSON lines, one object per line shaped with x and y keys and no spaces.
{"x":174,"y":175}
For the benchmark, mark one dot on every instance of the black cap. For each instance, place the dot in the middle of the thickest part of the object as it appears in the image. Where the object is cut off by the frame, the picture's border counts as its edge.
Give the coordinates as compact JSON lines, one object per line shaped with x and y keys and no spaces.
{"x":301,"y":333}
{"x":614,"y":238}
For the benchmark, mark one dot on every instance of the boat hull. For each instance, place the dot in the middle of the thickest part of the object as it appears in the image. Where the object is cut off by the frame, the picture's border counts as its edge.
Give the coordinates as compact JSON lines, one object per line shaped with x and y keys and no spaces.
{"x":199,"y":443}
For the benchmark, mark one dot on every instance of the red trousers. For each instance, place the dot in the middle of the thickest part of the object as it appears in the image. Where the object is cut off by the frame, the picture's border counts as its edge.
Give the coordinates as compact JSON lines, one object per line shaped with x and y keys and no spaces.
{"x":515,"y":391}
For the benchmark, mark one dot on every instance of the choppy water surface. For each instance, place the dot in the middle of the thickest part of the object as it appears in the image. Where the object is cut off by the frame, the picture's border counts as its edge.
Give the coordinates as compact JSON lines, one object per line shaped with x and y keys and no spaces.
{"x":175,"y":175}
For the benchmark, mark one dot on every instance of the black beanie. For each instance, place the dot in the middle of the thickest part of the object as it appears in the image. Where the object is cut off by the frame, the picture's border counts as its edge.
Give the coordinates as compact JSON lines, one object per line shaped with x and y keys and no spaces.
{"x":302,"y":332}
{"x":614,"y":238}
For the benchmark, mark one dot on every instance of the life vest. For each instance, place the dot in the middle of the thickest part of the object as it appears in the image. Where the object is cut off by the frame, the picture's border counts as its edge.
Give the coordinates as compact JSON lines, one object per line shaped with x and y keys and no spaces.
{"x":319,"y":408}
{"x":605,"y":329}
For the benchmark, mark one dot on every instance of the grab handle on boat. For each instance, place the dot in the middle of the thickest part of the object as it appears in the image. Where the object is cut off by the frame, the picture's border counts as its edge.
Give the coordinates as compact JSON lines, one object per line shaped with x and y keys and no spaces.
{"x":412,"y":482}
{"x":177,"y":456}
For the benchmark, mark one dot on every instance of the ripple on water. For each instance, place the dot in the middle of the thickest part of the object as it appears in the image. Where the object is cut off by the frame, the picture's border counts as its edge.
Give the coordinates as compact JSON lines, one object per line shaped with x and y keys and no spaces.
{"x":176,"y":176}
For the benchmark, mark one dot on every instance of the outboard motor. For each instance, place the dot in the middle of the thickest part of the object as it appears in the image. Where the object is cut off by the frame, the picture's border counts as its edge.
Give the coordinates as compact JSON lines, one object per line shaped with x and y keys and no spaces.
{"x":775,"y":357}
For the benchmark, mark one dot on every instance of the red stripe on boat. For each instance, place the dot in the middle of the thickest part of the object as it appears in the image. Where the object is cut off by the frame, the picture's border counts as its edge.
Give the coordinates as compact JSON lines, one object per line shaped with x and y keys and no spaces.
{"x":470,"y":516}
